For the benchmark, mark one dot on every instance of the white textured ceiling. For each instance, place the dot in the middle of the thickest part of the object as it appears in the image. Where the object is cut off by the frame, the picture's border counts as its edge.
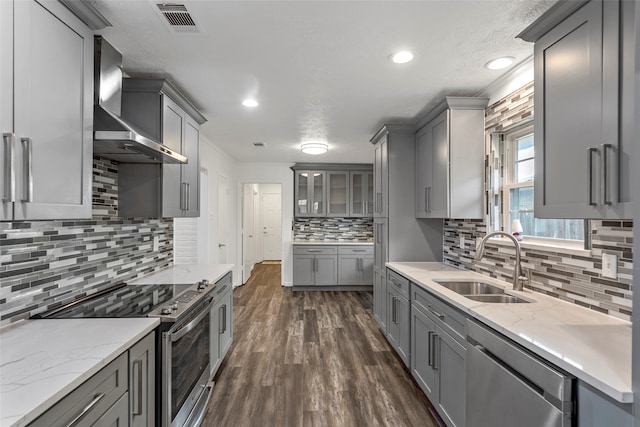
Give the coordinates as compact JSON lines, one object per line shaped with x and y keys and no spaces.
{"x":318,"y":68}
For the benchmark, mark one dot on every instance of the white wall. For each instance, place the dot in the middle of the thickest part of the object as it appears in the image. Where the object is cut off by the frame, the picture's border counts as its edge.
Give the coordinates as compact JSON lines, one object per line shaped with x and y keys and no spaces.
{"x":273,"y":173}
{"x":217,"y":163}
{"x":514,"y":79}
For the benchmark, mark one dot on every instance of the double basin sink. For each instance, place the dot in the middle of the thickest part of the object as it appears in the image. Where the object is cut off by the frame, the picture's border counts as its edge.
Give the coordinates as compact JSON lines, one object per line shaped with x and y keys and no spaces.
{"x":480,"y":291}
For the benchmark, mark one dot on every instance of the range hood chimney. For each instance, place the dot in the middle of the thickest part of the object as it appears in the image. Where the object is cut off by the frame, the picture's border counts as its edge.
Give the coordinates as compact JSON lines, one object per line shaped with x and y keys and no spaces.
{"x":113,"y":137}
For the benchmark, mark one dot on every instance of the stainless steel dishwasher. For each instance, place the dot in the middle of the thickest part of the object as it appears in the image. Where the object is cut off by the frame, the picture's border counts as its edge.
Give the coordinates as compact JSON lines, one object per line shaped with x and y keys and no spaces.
{"x":508,"y":386}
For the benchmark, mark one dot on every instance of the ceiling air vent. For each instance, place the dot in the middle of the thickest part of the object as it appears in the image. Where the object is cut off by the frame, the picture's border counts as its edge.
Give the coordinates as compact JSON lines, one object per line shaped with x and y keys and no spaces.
{"x":177,"y":18}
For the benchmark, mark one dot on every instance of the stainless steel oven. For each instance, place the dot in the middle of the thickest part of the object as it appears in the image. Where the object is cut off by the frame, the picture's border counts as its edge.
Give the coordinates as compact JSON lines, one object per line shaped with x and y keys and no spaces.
{"x":185,"y":363}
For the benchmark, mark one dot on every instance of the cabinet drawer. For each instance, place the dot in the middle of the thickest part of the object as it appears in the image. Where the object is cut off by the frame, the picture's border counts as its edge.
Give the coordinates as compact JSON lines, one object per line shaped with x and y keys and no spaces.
{"x":400,"y":283}
{"x":451,"y":320}
{"x":314,"y":250}
{"x":355,"y":250}
{"x":90,"y":400}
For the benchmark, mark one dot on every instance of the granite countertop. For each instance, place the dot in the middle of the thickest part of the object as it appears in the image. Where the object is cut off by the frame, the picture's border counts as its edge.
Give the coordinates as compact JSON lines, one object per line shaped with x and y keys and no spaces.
{"x":43,"y":360}
{"x":330,"y":243}
{"x":185,"y":274}
{"x":594,"y":347}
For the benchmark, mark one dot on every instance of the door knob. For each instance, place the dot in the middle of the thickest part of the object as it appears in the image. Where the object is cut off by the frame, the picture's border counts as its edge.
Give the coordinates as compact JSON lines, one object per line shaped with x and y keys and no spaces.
{"x":221,"y":245}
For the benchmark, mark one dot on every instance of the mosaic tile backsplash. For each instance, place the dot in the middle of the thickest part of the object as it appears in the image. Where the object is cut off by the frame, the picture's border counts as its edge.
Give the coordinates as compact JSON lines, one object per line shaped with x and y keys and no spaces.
{"x":338,"y":229}
{"x":44,"y":264}
{"x":571,"y":276}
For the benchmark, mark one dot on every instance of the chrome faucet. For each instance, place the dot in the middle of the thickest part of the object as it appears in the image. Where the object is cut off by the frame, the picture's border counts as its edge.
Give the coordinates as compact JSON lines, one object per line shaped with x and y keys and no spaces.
{"x":517,"y":269}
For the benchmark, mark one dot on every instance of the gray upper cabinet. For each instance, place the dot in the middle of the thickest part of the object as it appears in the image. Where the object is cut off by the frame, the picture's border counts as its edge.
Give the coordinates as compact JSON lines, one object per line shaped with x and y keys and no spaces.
{"x":381,"y":176}
{"x":338,"y":193}
{"x":310,"y":196}
{"x":161,"y":190}
{"x":449,"y":160}
{"x":361,"y":193}
{"x":583,"y":109}
{"x":47,"y":124}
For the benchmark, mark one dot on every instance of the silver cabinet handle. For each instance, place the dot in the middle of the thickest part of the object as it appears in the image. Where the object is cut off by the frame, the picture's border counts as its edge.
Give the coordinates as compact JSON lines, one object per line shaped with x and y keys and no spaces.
{"x":9,"y":190}
{"x":137,"y":392}
{"x":221,"y":245}
{"x":224,"y":318}
{"x":429,"y":346}
{"x":188,"y":201}
{"x":426,"y":198}
{"x":428,"y":201}
{"x":590,"y":152}
{"x":96,"y":399}
{"x":434,"y":338}
{"x":314,"y":251}
{"x":27,"y":156}
{"x":358,"y":250}
{"x":220,"y":320}
{"x":435,"y":313}
{"x":606,"y":172}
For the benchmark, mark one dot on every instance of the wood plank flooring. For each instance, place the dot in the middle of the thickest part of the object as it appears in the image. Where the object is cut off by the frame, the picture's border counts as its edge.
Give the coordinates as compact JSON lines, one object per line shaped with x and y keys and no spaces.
{"x":310,"y":359}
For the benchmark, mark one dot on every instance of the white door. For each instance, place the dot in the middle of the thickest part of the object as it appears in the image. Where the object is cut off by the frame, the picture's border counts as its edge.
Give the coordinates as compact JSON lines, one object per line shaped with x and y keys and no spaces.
{"x":223,"y":218}
{"x":272,"y":226}
{"x":248,"y":231}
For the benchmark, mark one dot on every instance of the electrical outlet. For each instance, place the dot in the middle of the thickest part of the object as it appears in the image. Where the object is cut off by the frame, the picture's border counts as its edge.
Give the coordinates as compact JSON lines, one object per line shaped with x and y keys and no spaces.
{"x":156,"y":243}
{"x":462,"y":242}
{"x":609,"y":265}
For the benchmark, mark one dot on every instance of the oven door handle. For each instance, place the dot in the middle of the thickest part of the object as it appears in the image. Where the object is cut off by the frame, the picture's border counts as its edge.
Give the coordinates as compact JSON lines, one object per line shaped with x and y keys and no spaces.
{"x":176,"y":335}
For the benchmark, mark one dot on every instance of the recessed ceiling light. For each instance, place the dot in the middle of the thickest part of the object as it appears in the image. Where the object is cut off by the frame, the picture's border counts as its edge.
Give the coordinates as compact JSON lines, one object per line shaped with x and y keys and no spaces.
{"x":250,"y":103}
{"x":500,"y":63}
{"x":314,"y":148}
{"x":401,"y":57}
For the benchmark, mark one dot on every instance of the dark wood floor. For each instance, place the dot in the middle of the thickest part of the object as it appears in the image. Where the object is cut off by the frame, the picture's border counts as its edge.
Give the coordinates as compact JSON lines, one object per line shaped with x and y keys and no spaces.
{"x":310,"y":359}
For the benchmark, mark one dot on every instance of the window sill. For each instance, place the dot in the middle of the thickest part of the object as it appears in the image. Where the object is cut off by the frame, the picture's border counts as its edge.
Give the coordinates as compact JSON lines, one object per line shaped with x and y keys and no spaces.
{"x":545,"y":245}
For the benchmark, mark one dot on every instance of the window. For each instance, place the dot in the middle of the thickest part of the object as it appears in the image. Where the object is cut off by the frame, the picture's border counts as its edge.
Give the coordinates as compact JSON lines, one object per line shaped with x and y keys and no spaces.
{"x":513,"y":171}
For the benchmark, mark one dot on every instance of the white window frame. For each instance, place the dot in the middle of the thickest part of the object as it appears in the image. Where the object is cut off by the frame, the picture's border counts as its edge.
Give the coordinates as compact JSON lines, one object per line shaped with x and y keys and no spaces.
{"x":509,"y":183}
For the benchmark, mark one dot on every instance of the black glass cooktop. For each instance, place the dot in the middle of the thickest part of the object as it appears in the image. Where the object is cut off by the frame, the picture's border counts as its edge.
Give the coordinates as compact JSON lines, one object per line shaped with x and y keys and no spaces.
{"x":118,"y":301}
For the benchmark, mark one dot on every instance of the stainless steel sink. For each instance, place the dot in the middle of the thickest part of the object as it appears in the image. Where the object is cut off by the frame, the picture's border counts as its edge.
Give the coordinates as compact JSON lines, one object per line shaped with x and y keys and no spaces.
{"x":471,"y":288}
{"x":502,"y":299}
{"x":480,"y":291}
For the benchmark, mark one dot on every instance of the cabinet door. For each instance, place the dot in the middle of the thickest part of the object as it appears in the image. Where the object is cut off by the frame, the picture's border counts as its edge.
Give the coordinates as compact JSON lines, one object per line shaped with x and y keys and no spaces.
{"x":424,"y":156}
{"x":142,"y":376}
{"x":369,"y":194}
{"x":226,"y":328}
{"x":303,"y":270}
{"x":572,"y":99}
{"x":349,"y":270}
{"x":53,"y":112}
{"x":451,"y":365}
{"x":422,"y":329}
{"x":326,"y":270}
{"x":380,"y":299}
{"x":7,"y":173}
{"x":380,"y":243}
{"x":357,"y":206}
{"x":338,"y":193}
{"x":366,"y":270}
{"x":438,"y":200}
{"x":317,"y":186}
{"x":191,"y":171}
{"x":404,"y":329}
{"x":393,"y":327}
{"x":381,"y":173}
{"x":301,"y":198}
{"x":173,"y":131}
{"x":215,"y":323}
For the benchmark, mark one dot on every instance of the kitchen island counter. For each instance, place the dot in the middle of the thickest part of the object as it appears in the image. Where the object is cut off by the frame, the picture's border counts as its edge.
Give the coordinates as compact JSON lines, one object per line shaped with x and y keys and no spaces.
{"x":43,"y":360}
{"x":594,"y":347}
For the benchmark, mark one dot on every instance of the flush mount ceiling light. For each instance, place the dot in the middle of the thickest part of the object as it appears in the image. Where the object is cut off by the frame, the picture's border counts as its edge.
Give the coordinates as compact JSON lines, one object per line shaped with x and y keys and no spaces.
{"x":401,"y":57}
{"x":500,"y":63}
{"x":250,"y":103}
{"x":314,"y":148}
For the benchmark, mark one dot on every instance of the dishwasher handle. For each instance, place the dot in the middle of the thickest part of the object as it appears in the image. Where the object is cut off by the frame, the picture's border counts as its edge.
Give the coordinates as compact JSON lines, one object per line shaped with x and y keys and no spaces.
{"x":555,"y":384}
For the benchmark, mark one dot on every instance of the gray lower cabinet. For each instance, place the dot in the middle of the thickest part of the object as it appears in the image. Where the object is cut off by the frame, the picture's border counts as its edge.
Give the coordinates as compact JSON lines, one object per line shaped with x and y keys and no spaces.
{"x":122,"y":393}
{"x":596,"y":409}
{"x":398,"y":315}
{"x":438,"y":354}
{"x":46,"y":62}
{"x":380,"y":298}
{"x":584,"y":109}
{"x":142,"y":382}
{"x":355,"y":265}
{"x":221,"y":322}
{"x":315,"y":265}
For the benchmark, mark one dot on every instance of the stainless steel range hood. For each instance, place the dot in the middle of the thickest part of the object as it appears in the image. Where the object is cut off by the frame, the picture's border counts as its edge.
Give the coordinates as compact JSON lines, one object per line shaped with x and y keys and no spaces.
{"x":113,"y":137}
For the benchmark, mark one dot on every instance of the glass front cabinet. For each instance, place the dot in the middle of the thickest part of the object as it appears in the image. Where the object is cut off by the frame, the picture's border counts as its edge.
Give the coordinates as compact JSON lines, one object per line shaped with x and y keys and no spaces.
{"x":310,"y":195}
